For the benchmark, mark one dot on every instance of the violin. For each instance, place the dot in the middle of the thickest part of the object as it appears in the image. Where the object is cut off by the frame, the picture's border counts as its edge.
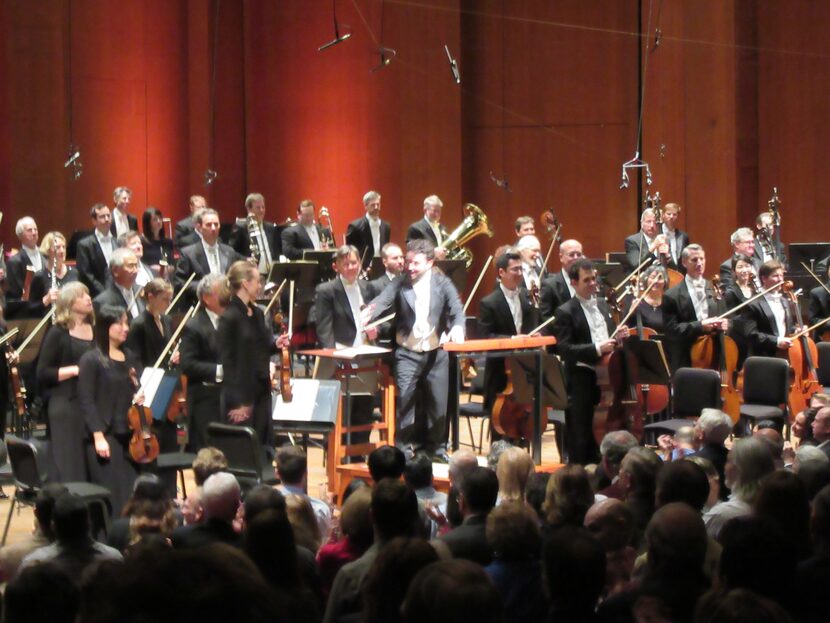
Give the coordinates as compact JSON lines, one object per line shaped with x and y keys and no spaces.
{"x":719,"y":352}
{"x":284,"y":381}
{"x":21,"y":404}
{"x":144,"y":445}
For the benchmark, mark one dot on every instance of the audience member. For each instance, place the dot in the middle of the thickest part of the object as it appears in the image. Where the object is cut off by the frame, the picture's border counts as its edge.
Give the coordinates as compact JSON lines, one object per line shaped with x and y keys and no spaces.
{"x":432,"y":503}
{"x":356,"y":538}
{"x":304,"y":522}
{"x":774,"y":440}
{"x":292,"y":469}
{"x":513,"y":471}
{"x":537,"y":485}
{"x":821,"y":430}
{"x":814,"y":474}
{"x":208,"y":461}
{"x":783,"y":500}
{"x":638,"y":482}
{"x":711,"y":430}
{"x":386,"y":462}
{"x":148,"y":511}
{"x":740,"y":606}
{"x":575,"y":575}
{"x":43,"y":593}
{"x":612,"y":524}
{"x":810,"y":604}
{"x":568,"y":498}
{"x":477,"y":497}
{"x":712,"y":476}
{"x":221,"y":497}
{"x":462,"y":462}
{"x":612,"y":449}
{"x":497,"y":448}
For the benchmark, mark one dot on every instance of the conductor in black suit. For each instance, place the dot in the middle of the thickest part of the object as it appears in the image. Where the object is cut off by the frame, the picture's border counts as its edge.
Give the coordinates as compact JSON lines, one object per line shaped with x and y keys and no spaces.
{"x":268,"y":242}
{"x":505,"y":312}
{"x":28,"y":260}
{"x":200,"y":359}
{"x":430,"y":227}
{"x":94,"y":251}
{"x":122,"y":291}
{"x":690,"y":309}
{"x":305,"y":233}
{"x":649,"y":242}
{"x":556,"y":287}
{"x":427,"y":312}
{"x":768,"y":320}
{"x":820,"y":304}
{"x":206,"y":256}
{"x":186,"y":228}
{"x":584,"y":333}
{"x":369,"y":233}
{"x":122,"y":220}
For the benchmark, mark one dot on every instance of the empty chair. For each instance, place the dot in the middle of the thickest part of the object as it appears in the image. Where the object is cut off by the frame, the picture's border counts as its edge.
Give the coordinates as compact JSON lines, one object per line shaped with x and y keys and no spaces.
{"x":766,"y":385}
{"x":693,"y":389}
{"x":824,"y":364}
{"x":245,"y":455}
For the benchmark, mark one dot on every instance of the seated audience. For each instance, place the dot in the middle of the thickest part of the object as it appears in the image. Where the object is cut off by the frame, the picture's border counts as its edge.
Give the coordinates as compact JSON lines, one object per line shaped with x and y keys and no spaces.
{"x":575,"y":575}
{"x":711,"y":430}
{"x":462,"y":462}
{"x":783,"y":500}
{"x":292,"y":469}
{"x":221,"y":497}
{"x":612,"y":449}
{"x":513,"y":471}
{"x":356,"y":537}
{"x":812,"y":605}
{"x":612,"y":524}
{"x":42,"y":593}
{"x":567,"y":499}
{"x":418,"y":476}
{"x":148,"y":511}
{"x":386,"y":462}
{"x":712,"y":476}
{"x":208,"y":461}
{"x":304,"y":522}
{"x":813,"y":472}
{"x":638,"y":481}
{"x":537,"y":484}
{"x":740,"y":606}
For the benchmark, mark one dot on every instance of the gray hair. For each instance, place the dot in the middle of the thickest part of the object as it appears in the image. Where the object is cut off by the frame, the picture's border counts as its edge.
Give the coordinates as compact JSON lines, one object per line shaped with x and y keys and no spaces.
{"x":208,"y":282}
{"x":752,"y":460}
{"x":345,"y":251}
{"x":461,"y":463}
{"x":370,"y":196}
{"x":121,"y":255}
{"x":687,"y":250}
{"x":22,"y":223}
{"x":741,"y":232}
{"x":200,"y":215}
{"x":249,"y":200}
{"x":647,"y":212}
{"x":809,"y":454}
{"x":714,"y":424}
{"x":121,"y":189}
{"x":616,"y":444}
{"x":433,"y":200}
{"x":221,"y":495}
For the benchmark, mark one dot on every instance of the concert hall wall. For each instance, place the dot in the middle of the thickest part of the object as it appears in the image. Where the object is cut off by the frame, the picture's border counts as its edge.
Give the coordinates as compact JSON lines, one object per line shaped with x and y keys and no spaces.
{"x":735,"y":102}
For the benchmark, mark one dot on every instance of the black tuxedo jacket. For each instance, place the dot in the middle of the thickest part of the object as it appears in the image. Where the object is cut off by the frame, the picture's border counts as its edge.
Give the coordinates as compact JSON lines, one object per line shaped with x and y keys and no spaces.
{"x":376,"y":286}
{"x":819,"y":305}
{"x":207,"y":533}
{"x":295,"y":240}
{"x":420,"y":229}
{"x":16,"y":273}
{"x":194,"y":260}
{"x":199,"y":353}
{"x":241,"y":241}
{"x":726,"y":277}
{"x":760,"y":328}
{"x":681,"y":323}
{"x":495,"y":320}
{"x":112,"y":296}
{"x":573,"y":334}
{"x":552,"y":294}
{"x":359,"y":234}
{"x":131,"y":221}
{"x":92,"y":265}
{"x":41,"y":284}
{"x":636,"y":251}
{"x":145,"y":340}
{"x":779,"y":251}
{"x":333,"y":314}
{"x":184,"y":230}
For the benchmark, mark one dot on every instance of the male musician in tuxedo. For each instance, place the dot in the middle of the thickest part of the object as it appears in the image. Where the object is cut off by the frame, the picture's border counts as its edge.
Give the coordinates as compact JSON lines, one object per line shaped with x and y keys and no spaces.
{"x":427,"y":311}
{"x":94,"y":251}
{"x":530,"y":250}
{"x":369,"y":233}
{"x":430,"y":227}
{"x":676,"y":239}
{"x":132,"y":241}
{"x":649,"y":242}
{"x":393,"y":267}
{"x":768,"y":320}
{"x":690,"y":309}
{"x":19,"y":264}
{"x":556,"y":288}
{"x":525,"y":227}
{"x":337,"y":315}
{"x":122,"y":220}
{"x":268,"y":243}
{"x":305,"y":234}
{"x":742,"y":241}
{"x":766,"y":247}
{"x":122,"y":290}
{"x":505,"y":312}
{"x":585,"y":333}
{"x":820,"y":305}
{"x":206,"y":256}
{"x":186,"y":228}
{"x":200,"y":359}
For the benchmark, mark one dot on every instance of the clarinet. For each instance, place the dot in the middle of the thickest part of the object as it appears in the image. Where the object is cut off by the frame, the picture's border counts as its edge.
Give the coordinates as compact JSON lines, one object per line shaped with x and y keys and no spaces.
{"x":54,"y":277}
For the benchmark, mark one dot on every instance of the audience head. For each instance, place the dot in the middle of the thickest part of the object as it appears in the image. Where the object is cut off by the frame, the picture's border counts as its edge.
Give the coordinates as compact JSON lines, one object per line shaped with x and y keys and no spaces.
{"x":805,"y":454}
{"x":711,"y":475}
{"x":70,"y":519}
{"x":747,"y":463}
{"x":45,"y":506}
{"x":712,"y":427}
{"x":461,"y":463}
{"x":208,"y":461}
{"x":221,"y":496}
{"x":676,"y":541}
{"x":613,"y":449}
{"x":774,"y":441}
{"x":479,"y":491}
{"x":612,"y":523}
{"x":418,"y":472}
{"x":738,"y":606}
{"x":568,"y":496}
{"x":269,"y":543}
{"x":386,"y":462}
{"x":452,"y":590}
{"x":41,"y":593}
{"x":682,"y":481}
{"x":497,"y":448}
{"x":638,"y":472}
{"x":394,"y":509}
{"x":263,"y":498}
{"x":783,"y":499}
{"x":537,"y":484}
{"x":292,"y":465}
{"x":574,"y":570}
{"x":150,"y":509}
{"x":304,"y":522}
{"x":356,"y":518}
{"x":513,"y":532}
{"x":513,"y":471}
{"x":815,"y":475}
{"x":820,"y":520}
{"x":821,"y":425}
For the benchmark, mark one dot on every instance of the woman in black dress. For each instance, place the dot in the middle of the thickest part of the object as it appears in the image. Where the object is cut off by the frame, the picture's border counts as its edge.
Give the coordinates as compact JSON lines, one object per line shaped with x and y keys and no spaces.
{"x":152,"y":328}
{"x":57,"y":376}
{"x":105,"y":393}
{"x":41,"y":294}
{"x":158,"y":248}
{"x":743,"y":287}
{"x":649,"y":314}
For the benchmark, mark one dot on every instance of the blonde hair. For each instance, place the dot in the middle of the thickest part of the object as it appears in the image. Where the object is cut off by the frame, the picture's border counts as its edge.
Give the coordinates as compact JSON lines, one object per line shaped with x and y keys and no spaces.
{"x":513,"y":471}
{"x":304,"y":522}
{"x":155,"y":287}
{"x":238,"y":272}
{"x":67,"y":295}
{"x":46,"y":243}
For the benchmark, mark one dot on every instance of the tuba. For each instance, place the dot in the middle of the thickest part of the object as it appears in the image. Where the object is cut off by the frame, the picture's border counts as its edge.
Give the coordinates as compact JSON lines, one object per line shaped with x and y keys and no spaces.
{"x":474,"y":224}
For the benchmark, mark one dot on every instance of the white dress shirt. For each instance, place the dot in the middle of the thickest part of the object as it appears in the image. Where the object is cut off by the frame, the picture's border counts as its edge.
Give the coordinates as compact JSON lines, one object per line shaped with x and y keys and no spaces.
{"x":515,"y":305}
{"x":671,"y":237}
{"x":122,"y":223}
{"x":355,"y":302}
{"x":423,"y":336}
{"x":129,"y":297}
{"x":314,"y":235}
{"x":596,"y":321}
{"x":374,"y":227}
{"x":776,"y":303}
{"x":697,"y":290}
{"x":106,"y":244}
{"x":436,"y":229}
{"x":214,"y":320}
{"x":35,"y":258}
{"x":212,"y":253}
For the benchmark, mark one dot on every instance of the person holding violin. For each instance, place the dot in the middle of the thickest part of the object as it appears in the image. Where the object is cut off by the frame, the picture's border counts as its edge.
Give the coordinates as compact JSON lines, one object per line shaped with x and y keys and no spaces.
{"x":649,"y":312}
{"x":245,"y":347}
{"x":505,"y":312}
{"x":556,"y":288}
{"x":200,"y":359}
{"x":769,"y":320}
{"x":585,"y":333}
{"x":58,"y":368}
{"x":106,"y":392}
{"x":690,"y":309}
{"x":744,"y":286}
{"x":45,"y":288}
{"x":648,"y":242}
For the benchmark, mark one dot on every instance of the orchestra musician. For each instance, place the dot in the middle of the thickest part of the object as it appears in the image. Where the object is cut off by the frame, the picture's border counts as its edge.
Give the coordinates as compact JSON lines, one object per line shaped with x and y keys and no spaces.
{"x":430,"y":227}
{"x":122,"y":290}
{"x":304,"y":234}
{"x":269,"y":243}
{"x":426,"y":306}
{"x":676,"y":238}
{"x":57,"y":374}
{"x":157,"y":246}
{"x":743,"y":287}
{"x":393,"y":268}
{"x":820,"y":303}
{"x":585,"y":333}
{"x":556,"y":287}
{"x":94,"y":251}
{"x":105,"y":394}
{"x":337,"y":315}
{"x":769,"y":320}
{"x":200,"y":359}
{"x":690,"y":308}
{"x":649,"y":312}
{"x":530,"y":250}
{"x":743,"y":243}
{"x":369,"y":233}
{"x":766,"y":247}
{"x":186,"y":233}
{"x":42,"y":295}
{"x":122,"y":220}
{"x":207,"y":255}
{"x":505,"y":312}
{"x":28,"y":260}
{"x":525,"y":226}
{"x":132,"y":240}
{"x":245,"y":347}
{"x":648,"y":242}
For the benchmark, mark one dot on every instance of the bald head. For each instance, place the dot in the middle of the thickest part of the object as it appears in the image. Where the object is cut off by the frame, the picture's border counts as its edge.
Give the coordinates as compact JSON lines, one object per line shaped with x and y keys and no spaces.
{"x":569,"y":252}
{"x":611,"y":522}
{"x":773,"y":439}
{"x":221,"y":496}
{"x":462,"y":462}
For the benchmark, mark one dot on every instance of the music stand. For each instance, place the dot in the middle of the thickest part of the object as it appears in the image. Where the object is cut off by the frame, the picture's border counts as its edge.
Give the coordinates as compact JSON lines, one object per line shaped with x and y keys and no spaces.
{"x":456,"y":270}
{"x":312,"y":410}
{"x":610,"y":273}
{"x":523,"y":371}
{"x":302,"y":273}
{"x":652,"y":366}
{"x":814,"y":254}
{"x":324,"y":261}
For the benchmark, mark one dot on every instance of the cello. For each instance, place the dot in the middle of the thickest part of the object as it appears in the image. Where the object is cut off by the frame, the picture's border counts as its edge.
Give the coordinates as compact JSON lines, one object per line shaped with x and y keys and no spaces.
{"x":802,"y":356}
{"x":144,"y":445}
{"x":653,"y":398}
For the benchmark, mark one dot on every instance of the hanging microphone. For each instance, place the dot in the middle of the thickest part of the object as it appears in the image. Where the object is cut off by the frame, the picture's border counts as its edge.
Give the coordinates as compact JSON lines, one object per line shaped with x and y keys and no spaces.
{"x":386,"y":56}
{"x":337,"y":38}
{"x":453,"y":66}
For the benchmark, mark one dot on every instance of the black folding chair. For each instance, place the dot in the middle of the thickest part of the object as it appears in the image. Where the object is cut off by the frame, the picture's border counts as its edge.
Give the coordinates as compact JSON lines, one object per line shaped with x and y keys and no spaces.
{"x":693,"y":389}
{"x":766,"y":387}
{"x":246,"y":458}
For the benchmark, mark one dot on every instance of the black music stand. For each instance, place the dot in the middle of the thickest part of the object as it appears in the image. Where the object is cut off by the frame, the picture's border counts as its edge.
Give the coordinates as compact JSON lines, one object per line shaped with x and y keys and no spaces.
{"x":610,"y":273}
{"x":652,"y":366}
{"x":814,"y":254}
{"x":302,"y":273}
{"x":324,"y":261}
{"x":456,"y":270}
